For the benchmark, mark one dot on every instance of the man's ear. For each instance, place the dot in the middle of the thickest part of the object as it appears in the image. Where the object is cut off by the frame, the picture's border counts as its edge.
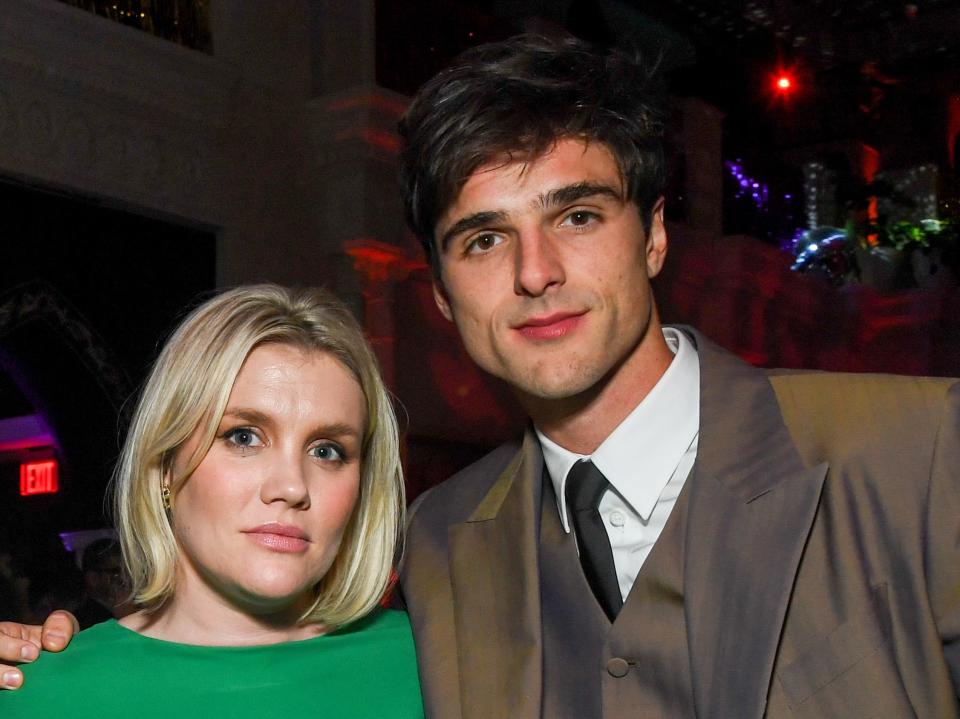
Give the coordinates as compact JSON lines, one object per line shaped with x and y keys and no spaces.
{"x":656,"y":240}
{"x":440,"y":297}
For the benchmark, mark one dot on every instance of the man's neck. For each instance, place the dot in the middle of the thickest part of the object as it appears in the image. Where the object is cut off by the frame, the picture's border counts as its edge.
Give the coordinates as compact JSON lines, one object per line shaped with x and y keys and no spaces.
{"x":580,"y":423}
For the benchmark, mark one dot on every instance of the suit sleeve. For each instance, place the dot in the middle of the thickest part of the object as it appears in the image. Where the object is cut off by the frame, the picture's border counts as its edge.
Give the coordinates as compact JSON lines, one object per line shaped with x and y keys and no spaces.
{"x":943,"y":533}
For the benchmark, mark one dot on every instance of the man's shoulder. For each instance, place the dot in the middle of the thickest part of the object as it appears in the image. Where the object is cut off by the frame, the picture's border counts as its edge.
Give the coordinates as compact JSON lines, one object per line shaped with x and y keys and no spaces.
{"x":833,"y":414}
{"x":861,"y":395}
{"x":454,"y":499}
{"x":859,"y":379}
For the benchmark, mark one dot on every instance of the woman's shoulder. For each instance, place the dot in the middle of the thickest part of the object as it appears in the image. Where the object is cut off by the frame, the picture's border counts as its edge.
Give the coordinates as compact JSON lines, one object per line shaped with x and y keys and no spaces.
{"x":381,"y":625}
{"x":381,"y":642}
{"x":55,"y":681}
{"x":381,"y":620}
{"x":94,"y":644}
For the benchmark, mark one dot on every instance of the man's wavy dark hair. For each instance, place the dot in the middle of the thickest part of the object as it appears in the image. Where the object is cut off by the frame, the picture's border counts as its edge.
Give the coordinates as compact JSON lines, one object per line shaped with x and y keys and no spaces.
{"x":516,"y":98}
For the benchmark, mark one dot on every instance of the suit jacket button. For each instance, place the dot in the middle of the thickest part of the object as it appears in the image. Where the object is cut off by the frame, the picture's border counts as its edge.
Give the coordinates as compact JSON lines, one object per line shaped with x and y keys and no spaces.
{"x":618,"y":667}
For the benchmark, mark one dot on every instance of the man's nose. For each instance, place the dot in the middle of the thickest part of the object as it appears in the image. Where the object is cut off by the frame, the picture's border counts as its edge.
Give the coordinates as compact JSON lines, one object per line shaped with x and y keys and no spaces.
{"x":539,"y":265}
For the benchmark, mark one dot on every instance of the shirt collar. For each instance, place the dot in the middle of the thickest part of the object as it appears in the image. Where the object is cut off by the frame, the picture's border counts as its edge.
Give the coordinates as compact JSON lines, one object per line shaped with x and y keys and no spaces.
{"x":641,"y":454}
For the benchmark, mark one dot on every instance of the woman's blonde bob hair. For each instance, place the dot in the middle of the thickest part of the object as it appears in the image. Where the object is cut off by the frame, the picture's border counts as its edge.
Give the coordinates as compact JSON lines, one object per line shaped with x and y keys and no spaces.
{"x":187,"y":391}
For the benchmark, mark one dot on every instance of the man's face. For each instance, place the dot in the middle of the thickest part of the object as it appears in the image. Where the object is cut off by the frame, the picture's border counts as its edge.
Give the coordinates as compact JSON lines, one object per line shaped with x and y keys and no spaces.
{"x":545,"y":270}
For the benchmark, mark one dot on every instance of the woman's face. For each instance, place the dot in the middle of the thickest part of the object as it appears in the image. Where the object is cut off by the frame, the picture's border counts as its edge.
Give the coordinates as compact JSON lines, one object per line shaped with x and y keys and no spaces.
{"x":260,"y":520}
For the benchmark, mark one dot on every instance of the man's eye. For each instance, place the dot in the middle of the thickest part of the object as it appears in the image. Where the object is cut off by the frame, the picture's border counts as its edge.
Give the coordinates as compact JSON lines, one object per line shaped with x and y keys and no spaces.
{"x":242,"y":437}
{"x":329,"y":453}
{"x":579,"y":218}
{"x":483,"y":243}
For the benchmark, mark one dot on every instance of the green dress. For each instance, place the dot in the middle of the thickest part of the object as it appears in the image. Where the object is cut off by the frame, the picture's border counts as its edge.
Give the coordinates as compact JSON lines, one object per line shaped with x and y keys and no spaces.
{"x":367,"y":669}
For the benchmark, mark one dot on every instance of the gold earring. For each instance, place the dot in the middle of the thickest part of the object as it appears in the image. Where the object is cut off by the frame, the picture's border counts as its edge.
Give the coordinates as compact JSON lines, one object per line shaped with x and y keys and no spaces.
{"x":165,"y":497}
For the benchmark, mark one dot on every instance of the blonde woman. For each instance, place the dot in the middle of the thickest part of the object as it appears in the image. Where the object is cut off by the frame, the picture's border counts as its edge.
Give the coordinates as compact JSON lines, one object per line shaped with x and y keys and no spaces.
{"x":259,"y":504}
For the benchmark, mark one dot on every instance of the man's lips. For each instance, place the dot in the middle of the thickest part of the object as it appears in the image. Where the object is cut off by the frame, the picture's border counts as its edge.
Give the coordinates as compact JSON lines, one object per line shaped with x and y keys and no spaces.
{"x":279,"y":537}
{"x":547,"y":327}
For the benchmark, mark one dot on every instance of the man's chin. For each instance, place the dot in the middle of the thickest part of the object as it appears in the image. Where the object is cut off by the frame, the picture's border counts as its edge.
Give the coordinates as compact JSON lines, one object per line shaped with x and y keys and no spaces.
{"x":558,"y":387}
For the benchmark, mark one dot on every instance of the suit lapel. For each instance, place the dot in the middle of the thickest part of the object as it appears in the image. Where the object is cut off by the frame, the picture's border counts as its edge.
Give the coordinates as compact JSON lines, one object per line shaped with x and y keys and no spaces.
{"x":496,"y":594}
{"x":751,"y":508}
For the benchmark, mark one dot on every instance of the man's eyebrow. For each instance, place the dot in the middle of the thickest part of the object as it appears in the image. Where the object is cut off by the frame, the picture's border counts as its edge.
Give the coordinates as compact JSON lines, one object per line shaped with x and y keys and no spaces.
{"x":578,"y":191}
{"x":560,"y":196}
{"x":470,"y":222}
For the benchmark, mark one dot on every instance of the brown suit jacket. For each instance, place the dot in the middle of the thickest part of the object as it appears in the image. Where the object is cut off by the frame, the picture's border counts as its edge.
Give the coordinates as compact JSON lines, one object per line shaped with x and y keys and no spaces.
{"x":821,"y":561}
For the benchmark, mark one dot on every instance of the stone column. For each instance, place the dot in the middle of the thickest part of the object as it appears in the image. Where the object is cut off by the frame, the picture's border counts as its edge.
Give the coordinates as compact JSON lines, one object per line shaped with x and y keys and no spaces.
{"x":701,"y":142}
{"x":357,"y":216}
{"x":380,"y":267}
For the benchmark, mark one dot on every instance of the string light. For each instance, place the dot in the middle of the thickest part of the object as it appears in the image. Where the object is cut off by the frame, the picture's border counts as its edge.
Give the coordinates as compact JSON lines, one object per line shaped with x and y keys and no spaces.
{"x":758,"y":192}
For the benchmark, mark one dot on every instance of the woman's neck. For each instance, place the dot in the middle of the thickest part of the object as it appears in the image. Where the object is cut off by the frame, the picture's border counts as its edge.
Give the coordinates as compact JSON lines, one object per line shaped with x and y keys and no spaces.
{"x":207,"y":619}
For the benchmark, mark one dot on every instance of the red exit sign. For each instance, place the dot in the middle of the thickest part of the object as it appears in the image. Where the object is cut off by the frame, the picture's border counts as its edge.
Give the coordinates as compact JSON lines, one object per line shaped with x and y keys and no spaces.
{"x":39,"y":478}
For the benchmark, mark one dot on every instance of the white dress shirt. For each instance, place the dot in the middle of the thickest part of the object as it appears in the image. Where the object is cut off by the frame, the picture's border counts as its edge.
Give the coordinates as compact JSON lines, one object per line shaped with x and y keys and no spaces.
{"x":646,"y":459}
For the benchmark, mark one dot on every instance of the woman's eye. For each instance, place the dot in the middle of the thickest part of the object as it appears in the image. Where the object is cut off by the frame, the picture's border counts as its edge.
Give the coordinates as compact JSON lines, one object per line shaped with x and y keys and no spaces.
{"x":243,"y":437}
{"x":328,"y":453}
{"x":483,"y":243}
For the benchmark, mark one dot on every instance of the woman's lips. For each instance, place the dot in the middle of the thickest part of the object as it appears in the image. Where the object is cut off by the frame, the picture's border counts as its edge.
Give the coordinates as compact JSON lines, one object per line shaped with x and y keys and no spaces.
{"x":279,"y":537}
{"x":549,"y":327}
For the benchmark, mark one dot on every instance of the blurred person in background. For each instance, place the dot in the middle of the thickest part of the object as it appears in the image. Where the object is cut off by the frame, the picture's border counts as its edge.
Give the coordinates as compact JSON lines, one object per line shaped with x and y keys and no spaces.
{"x":105,"y":584}
{"x":14,"y":589}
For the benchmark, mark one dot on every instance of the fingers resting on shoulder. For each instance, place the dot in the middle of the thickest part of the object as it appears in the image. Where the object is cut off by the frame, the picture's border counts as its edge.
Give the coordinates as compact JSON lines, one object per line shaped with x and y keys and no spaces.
{"x":21,"y":643}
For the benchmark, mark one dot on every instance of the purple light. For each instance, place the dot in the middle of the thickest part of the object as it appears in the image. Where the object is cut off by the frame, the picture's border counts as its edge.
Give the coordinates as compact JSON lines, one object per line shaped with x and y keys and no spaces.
{"x":748,"y":186}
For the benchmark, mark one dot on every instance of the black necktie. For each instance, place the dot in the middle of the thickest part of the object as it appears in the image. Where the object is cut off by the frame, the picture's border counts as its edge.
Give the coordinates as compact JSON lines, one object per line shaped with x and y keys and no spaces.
{"x":585,"y":486}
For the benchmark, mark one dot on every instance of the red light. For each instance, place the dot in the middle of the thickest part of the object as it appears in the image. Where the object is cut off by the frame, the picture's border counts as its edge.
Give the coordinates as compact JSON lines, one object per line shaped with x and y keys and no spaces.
{"x":39,"y":478}
{"x":783,"y":83}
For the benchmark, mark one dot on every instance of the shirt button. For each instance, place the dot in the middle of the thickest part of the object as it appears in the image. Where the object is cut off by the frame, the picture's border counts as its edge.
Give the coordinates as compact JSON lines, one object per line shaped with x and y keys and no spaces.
{"x":617,"y":519}
{"x":618,"y":667}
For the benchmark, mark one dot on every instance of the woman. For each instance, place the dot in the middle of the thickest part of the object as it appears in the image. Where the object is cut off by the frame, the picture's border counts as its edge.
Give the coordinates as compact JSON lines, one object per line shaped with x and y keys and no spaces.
{"x":259,"y":503}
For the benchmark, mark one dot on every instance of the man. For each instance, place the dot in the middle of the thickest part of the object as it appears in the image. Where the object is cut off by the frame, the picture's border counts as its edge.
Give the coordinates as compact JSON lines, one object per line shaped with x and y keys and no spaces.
{"x":783,"y":544}
{"x":677,"y":534}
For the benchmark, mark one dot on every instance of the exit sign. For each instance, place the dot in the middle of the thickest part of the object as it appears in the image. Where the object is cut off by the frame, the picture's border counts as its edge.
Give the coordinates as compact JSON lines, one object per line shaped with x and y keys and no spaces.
{"x":39,"y":478}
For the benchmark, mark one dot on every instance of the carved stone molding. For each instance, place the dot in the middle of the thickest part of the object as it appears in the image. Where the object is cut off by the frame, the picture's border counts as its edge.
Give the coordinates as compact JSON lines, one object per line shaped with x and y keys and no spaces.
{"x":357,"y":123}
{"x":380,"y":264}
{"x":37,"y":301}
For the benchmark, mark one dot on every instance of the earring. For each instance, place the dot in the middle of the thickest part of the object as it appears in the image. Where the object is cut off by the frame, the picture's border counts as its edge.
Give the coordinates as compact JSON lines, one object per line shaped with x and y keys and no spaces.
{"x":165,"y":497}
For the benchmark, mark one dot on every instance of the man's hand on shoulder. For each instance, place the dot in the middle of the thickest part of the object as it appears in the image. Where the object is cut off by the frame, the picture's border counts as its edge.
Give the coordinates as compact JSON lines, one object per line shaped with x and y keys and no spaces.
{"x":21,"y":643}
